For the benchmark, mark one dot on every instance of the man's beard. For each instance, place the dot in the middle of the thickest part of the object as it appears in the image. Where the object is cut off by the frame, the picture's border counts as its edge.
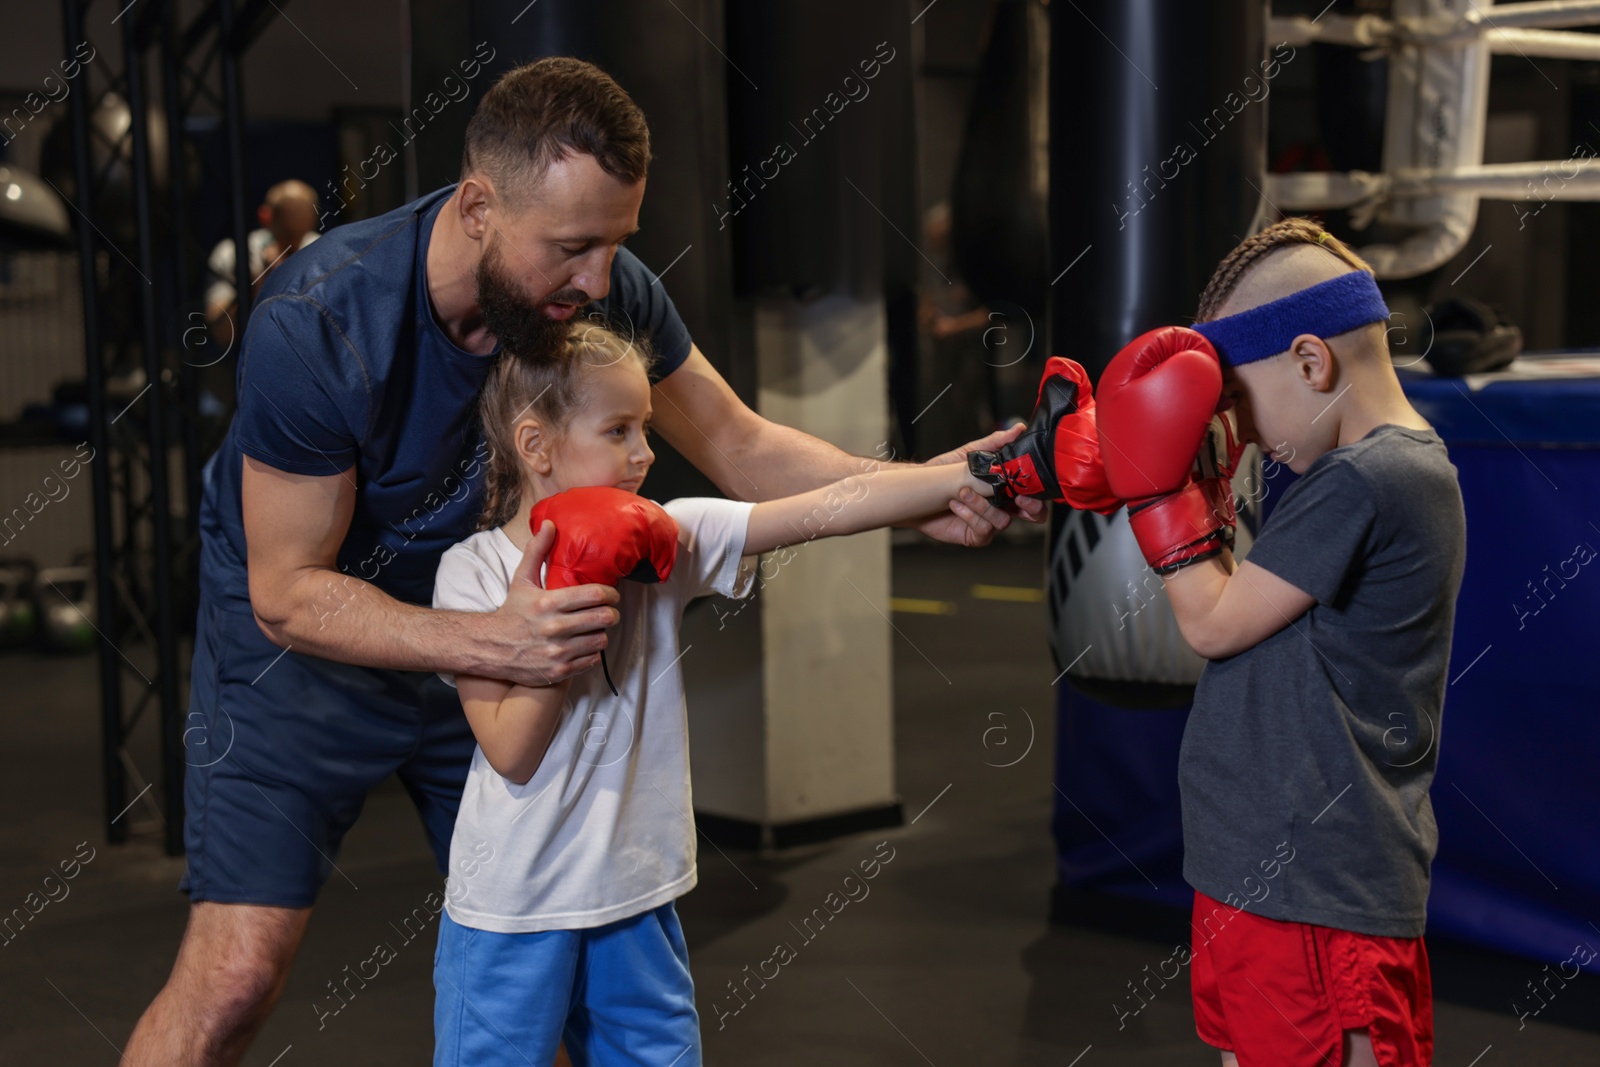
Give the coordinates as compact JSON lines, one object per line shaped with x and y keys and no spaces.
{"x":521,"y":326}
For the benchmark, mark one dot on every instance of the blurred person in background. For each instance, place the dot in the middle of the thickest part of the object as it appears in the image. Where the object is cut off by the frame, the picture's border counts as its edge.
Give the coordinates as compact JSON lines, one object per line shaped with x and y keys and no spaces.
{"x":288,"y":221}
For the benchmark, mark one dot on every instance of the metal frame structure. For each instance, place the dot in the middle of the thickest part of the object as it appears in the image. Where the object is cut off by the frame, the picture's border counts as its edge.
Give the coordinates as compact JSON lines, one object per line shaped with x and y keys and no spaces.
{"x":1433,"y":171}
{"x":146,"y":529}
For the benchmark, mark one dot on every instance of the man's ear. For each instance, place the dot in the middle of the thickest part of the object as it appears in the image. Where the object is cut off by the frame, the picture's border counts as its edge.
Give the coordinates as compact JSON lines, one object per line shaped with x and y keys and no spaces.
{"x":534,"y":445}
{"x":1313,"y":362}
{"x":475,"y":195}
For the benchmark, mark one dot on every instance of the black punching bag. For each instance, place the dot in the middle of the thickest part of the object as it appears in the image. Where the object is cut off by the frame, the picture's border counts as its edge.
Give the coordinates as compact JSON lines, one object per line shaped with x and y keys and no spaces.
{"x":998,"y":201}
{"x":671,"y":64}
{"x":1156,"y":154}
{"x":1157,"y":145}
{"x":821,"y":149}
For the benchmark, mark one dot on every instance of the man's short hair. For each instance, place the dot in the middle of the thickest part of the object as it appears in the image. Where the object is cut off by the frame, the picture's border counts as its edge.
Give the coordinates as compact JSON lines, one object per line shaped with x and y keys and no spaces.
{"x":542,"y":112}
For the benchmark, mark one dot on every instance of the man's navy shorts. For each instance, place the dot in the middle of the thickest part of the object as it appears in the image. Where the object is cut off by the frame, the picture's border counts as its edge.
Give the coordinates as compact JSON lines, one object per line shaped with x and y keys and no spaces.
{"x":282,"y":749}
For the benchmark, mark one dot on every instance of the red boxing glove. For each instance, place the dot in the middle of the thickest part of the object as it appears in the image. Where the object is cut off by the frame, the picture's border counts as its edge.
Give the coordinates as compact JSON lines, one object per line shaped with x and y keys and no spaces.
{"x":1198,"y":519}
{"x":604,"y":535}
{"x":1058,"y":456}
{"x":1166,"y":451}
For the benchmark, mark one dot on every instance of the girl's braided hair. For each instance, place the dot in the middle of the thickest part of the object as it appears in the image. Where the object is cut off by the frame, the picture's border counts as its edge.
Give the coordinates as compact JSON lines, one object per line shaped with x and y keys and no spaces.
{"x":1291,"y":231}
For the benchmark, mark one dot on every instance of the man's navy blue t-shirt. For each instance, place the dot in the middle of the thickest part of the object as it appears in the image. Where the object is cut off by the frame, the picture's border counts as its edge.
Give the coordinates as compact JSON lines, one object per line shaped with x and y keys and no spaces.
{"x":344,"y":365}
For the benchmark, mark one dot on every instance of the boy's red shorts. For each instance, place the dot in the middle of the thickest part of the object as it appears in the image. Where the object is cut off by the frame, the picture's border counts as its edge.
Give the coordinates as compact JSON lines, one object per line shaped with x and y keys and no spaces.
{"x":1281,"y":994}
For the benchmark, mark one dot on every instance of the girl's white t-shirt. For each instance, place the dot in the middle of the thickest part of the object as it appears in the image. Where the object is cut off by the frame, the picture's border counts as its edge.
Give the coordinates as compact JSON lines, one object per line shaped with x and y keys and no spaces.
{"x":604,"y":829}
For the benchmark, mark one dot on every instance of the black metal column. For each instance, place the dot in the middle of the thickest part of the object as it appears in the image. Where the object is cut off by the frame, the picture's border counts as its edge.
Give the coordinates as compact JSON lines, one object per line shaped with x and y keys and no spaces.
{"x":155,"y":396}
{"x":115,"y":781}
{"x":146,"y":522}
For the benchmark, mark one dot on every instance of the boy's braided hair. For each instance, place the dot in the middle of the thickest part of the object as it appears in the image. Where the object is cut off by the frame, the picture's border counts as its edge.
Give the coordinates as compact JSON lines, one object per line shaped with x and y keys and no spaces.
{"x":1291,"y":231}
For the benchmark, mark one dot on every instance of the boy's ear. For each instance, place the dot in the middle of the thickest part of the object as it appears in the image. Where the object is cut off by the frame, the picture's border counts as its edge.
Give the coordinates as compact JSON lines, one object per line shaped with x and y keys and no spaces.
{"x":1313,"y":361}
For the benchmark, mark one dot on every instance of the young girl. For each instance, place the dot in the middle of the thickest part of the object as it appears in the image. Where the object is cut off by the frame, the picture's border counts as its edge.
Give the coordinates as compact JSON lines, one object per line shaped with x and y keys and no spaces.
{"x":576,"y":832}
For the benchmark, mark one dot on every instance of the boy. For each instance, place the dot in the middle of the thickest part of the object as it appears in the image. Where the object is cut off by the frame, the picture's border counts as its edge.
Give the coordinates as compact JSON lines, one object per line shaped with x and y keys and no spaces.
{"x":1312,"y":742}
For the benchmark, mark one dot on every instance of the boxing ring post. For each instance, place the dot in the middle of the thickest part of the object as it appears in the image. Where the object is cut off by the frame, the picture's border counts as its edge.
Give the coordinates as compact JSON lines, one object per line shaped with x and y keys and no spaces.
{"x":1433,"y":171}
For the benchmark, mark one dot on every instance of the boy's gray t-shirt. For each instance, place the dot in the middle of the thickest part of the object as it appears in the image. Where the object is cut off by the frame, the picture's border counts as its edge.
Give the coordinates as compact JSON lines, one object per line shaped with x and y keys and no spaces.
{"x":1307,"y":758}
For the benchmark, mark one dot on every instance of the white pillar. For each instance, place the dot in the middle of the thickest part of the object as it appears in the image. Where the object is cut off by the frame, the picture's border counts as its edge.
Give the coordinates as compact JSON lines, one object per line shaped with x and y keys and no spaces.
{"x":790,"y":693}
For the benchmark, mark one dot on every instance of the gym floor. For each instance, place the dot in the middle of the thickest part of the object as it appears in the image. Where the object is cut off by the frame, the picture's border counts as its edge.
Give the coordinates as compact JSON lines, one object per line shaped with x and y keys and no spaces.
{"x":948,"y":959}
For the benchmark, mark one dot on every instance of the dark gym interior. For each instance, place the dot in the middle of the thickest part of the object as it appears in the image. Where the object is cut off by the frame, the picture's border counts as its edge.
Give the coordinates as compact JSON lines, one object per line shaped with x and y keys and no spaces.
{"x":987,"y":204}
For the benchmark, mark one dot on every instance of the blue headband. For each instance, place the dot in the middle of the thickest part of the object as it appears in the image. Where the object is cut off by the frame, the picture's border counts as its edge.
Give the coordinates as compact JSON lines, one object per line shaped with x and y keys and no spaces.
{"x":1326,"y":309}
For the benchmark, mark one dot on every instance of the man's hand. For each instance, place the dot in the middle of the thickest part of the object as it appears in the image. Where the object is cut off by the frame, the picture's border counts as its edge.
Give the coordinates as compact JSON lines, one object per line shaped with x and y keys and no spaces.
{"x":750,"y":458}
{"x":1058,"y":456}
{"x":973,"y":519}
{"x":550,"y":635}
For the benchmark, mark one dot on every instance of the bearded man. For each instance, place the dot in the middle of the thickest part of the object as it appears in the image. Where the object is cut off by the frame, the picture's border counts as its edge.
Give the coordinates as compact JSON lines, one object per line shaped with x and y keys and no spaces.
{"x":353,"y":461}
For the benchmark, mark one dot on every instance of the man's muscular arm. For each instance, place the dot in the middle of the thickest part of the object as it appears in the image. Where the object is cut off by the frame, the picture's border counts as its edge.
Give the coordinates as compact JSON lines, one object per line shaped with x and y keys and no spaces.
{"x":294,"y":525}
{"x":751,"y":458}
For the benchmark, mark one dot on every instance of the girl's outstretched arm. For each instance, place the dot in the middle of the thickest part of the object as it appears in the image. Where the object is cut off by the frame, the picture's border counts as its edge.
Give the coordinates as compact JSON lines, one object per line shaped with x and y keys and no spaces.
{"x":878,"y":496}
